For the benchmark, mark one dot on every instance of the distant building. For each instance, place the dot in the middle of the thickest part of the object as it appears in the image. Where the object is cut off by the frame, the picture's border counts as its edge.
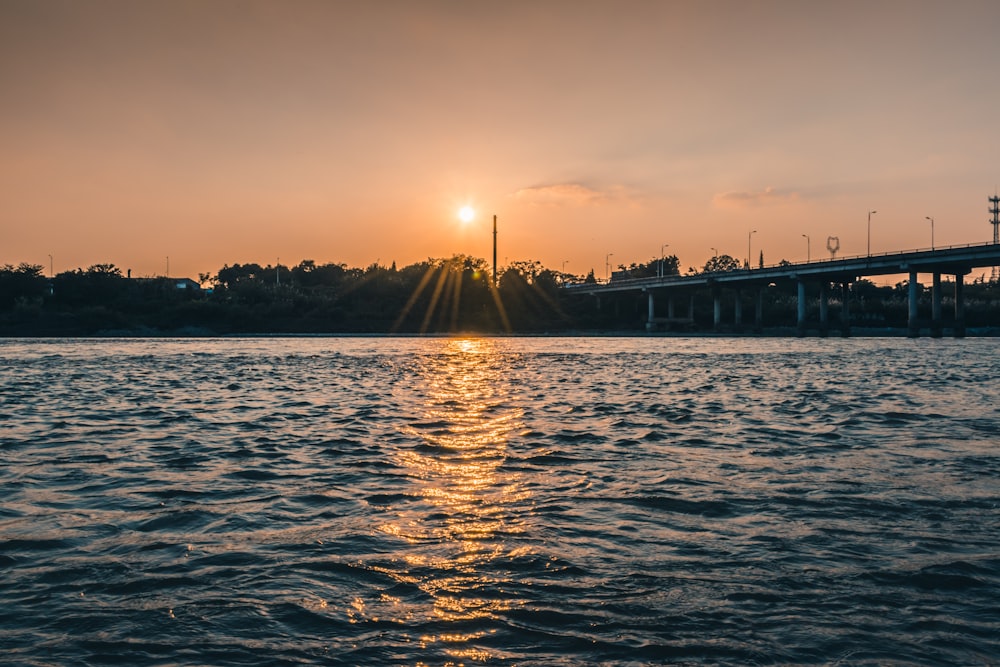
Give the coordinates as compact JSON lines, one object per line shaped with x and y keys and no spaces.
{"x":178,"y":283}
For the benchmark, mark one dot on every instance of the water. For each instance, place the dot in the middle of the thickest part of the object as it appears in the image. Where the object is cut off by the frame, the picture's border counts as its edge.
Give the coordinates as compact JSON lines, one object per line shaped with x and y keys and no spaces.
{"x":394,"y":501}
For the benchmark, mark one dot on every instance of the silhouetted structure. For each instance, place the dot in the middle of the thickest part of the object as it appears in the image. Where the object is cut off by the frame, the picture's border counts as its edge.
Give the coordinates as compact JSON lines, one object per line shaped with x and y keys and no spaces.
{"x":995,"y":210}
{"x":956,"y":260}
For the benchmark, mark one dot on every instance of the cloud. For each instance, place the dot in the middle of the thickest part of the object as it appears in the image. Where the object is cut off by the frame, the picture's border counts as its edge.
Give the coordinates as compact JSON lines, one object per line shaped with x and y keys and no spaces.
{"x":767,"y":197}
{"x":570,"y":194}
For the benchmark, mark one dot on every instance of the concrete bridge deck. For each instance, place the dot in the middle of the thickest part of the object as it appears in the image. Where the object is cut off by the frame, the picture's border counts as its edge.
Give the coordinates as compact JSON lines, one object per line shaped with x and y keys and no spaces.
{"x":952,"y":260}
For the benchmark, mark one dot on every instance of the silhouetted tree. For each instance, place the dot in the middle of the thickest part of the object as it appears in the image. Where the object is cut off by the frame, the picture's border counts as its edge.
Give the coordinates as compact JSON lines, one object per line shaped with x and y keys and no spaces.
{"x":229,"y":277}
{"x":721,"y":263}
{"x":21,"y":284}
{"x":669,"y":266}
{"x":101,"y":284}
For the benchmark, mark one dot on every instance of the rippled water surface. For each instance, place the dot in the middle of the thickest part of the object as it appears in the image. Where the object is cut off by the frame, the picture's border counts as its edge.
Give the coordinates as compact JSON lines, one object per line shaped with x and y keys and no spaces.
{"x":550,"y":501}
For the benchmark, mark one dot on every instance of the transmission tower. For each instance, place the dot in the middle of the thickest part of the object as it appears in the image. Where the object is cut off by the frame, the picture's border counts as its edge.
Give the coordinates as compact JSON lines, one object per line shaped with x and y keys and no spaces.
{"x":995,"y":210}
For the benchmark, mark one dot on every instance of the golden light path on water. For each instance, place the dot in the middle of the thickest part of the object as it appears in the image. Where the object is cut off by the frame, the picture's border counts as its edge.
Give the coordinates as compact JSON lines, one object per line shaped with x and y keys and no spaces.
{"x":460,"y":529}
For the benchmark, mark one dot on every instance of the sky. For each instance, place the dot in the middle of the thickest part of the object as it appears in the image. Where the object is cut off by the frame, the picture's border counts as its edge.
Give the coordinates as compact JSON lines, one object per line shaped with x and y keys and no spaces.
{"x":186,"y":135}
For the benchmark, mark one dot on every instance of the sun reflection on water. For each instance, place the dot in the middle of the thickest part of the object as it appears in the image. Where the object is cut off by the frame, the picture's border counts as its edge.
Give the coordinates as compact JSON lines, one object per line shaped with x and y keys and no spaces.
{"x":466,"y":505}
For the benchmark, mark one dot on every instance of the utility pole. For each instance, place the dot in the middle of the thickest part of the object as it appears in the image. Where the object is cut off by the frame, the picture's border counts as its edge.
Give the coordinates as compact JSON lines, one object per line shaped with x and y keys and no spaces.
{"x":870,"y":214}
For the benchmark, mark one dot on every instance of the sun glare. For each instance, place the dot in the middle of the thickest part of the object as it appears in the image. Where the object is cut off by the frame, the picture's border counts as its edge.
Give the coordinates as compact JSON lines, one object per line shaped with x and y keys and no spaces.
{"x":466,"y":214}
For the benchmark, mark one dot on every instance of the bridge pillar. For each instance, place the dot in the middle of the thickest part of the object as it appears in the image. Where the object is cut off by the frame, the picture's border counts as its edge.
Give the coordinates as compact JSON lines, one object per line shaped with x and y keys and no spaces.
{"x":717,"y":308}
{"x":759,"y":312}
{"x":845,"y":309}
{"x":824,"y":310}
{"x":670,"y":306}
{"x":738,"y":312}
{"x":913,"y":325}
{"x":959,"y":307}
{"x":801,"y":319}
{"x":936,"y":326}
{"x":651,"y":314}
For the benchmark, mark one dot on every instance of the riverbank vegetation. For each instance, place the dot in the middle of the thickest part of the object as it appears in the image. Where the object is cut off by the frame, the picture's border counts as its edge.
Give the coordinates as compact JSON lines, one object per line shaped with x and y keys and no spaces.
{"x":434,"y":296}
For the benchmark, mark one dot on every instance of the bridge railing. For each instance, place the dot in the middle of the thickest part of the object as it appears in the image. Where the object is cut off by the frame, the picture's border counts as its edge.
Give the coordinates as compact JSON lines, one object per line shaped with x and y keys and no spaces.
{"x":878,"y":254}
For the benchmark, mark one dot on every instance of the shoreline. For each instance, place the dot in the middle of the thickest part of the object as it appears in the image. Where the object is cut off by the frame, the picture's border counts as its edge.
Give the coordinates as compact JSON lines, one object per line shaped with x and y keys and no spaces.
{"x":773,"y":332}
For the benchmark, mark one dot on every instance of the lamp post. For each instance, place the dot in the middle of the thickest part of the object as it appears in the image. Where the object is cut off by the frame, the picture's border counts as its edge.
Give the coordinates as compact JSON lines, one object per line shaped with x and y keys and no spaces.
{"x":662,"y":248}
{"x":607,"y":266}
{"x":808,"y":252}
{"x":467,"y":214}
{"x":494,"y":250}
{"x":52,"y":274}
{"x":870,"y":214}
{"x":715,"y":252}
{"x":932,"y":230}
{"x":748,"y":246}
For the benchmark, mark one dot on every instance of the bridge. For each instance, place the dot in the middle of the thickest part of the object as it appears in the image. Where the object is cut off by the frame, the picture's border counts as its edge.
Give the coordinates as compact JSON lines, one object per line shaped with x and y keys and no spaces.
{"x":957,"y":261}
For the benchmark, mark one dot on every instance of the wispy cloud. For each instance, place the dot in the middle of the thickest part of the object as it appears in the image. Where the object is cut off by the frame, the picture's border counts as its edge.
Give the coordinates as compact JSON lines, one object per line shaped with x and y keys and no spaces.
{"x":571,"y":194}
{"x":767,"y":197}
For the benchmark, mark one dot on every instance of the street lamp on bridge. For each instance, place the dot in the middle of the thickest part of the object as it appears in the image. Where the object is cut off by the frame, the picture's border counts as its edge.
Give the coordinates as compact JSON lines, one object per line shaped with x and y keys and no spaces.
{"x":748,"y":246}
{"x":927,"y":217}
{"x":870,"y":214}
{"x":808,"y":252}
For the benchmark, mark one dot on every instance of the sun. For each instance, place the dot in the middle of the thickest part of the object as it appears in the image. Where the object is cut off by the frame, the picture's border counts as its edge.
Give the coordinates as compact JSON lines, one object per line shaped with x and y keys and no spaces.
{"x":466,"y":214}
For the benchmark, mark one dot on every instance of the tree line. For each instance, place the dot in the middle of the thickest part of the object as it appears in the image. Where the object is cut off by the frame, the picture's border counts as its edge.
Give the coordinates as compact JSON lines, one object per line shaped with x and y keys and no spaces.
{"x":454,"y":294}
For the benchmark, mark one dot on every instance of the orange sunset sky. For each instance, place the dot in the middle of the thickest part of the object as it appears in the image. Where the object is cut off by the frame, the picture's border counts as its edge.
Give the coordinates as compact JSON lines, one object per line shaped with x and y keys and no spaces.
{"x":234,"y":131}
